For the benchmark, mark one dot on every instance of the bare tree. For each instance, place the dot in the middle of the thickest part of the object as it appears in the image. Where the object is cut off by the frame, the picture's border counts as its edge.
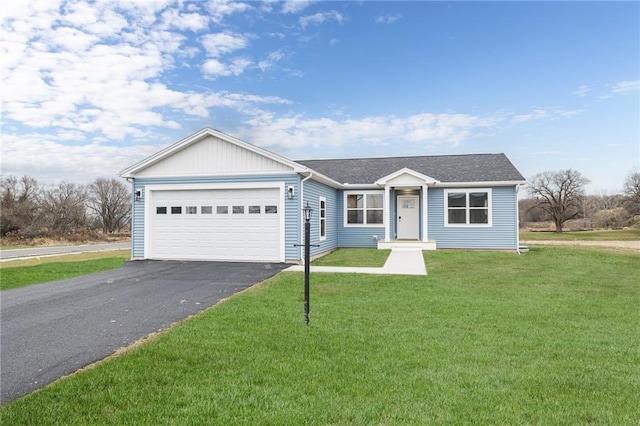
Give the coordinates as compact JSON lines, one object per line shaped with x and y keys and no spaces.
{"x":530,"y":211}
{"x":63,"y":207}
{"x":632,"y":191}
{"x":110,"y":200}
{"x":18,"y":203}
{"x":559,"y":194}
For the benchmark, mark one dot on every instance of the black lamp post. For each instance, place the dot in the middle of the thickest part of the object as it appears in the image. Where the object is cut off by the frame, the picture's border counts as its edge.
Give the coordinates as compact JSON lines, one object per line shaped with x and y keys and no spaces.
{"x":307,"y":236}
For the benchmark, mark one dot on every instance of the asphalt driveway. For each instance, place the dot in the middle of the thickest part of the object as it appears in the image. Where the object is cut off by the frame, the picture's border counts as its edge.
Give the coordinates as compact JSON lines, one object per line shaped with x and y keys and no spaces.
{"x":53,"y":329}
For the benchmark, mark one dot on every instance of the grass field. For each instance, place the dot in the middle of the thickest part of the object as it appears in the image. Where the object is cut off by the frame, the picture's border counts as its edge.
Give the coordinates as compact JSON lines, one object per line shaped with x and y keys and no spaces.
{"x":358,"y":257}
{"x":609,"y":235}
{"x":21,"y":273}
{"x":547,"y":337}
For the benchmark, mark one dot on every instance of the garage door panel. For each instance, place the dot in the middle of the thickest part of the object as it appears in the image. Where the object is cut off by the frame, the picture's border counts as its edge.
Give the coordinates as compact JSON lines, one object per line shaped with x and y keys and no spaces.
{"x":216,"y":236}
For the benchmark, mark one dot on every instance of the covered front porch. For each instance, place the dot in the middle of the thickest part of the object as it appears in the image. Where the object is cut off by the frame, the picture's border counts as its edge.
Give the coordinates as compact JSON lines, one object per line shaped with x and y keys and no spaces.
{"x":406,"y":210}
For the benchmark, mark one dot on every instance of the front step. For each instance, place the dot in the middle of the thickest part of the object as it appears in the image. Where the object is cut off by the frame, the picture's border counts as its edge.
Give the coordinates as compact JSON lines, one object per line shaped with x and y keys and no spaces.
{"x":422,"y":245}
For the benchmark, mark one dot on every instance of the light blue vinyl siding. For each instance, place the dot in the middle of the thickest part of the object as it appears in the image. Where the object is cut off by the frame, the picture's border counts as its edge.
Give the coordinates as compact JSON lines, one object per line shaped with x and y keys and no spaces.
{"x":355,"y":236}
{"x":393,"y":216}
{"x":291,"y":210}
{"x":312,"y":192}
{"x":501,"y":235}
{"x":137,"y":222}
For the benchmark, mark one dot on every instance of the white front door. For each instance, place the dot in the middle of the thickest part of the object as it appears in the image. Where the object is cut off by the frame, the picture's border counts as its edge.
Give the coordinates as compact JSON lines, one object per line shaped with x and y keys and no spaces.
{"x":408,"y":217}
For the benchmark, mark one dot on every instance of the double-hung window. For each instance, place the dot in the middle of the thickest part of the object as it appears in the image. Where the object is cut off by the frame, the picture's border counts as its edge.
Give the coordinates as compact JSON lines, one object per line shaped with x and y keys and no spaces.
{"x":322,"y":217}
{"x":364,"y":208}
{"x":467,"y":207}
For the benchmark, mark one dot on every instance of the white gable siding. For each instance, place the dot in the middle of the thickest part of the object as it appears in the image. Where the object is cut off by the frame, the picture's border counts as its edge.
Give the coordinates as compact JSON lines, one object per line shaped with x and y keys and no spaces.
{"x":213,"y":156}
{"x":405,"y":179}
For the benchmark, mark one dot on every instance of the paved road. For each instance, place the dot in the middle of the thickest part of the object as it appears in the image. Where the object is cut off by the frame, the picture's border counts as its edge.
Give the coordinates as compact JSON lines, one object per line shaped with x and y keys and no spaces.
{"x":43,"y":251}
{"x":53,"y":329}
{"x":627,"y":245}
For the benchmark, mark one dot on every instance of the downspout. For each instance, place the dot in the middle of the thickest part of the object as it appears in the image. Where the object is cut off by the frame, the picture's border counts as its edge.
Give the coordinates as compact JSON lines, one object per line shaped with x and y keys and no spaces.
{"x":517,"y":220}
{"x":300,"y":209}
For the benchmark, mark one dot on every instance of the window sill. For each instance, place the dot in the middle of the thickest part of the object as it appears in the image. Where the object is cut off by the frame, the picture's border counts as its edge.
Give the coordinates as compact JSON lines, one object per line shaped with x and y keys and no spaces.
{"x":465,"y":225}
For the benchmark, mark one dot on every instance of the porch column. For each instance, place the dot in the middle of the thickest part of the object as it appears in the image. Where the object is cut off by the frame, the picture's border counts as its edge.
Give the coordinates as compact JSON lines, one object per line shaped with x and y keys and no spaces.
{"x":386,"y":213}
{"x":425,"y":215}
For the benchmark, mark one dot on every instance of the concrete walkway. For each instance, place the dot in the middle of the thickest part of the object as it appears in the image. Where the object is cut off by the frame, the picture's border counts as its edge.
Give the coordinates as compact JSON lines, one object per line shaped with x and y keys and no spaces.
{"x":401,"y":261}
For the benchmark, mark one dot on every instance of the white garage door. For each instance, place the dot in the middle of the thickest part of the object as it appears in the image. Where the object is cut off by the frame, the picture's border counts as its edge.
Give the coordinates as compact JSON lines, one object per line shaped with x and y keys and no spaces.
{"x":221,"y":224}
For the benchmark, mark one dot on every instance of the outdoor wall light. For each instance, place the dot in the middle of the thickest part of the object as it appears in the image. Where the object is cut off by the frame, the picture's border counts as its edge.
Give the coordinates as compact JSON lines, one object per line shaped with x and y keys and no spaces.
{"x":138,"y":195}
{"x":306,"y":210}
{"x":290,"y":192}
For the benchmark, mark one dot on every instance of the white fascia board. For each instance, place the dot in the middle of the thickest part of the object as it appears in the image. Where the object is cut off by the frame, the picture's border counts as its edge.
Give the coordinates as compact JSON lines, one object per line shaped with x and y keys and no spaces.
{"x":319,"y":177}
{"x":207,"y":131}
{"x":225,"y":174}
{"x":360,"y":186}
{"x":427,"y":179}
{"x":480,"y":184}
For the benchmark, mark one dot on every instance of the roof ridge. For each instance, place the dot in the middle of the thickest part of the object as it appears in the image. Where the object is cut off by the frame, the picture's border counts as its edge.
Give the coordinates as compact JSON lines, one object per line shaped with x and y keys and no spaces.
{"x":401,"y":157}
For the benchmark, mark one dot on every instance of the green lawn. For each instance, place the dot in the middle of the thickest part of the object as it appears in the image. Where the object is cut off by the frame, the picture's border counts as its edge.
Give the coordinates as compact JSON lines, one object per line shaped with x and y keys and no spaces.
{"x":16,"y":274}
{"x":609,"y":235}
{"x":547,"y":337}
{"x":360,"y":257}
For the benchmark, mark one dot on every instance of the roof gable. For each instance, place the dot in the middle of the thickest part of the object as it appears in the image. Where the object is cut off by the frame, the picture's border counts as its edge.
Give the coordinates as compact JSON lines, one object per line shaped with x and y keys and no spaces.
{"x":406,"y":176}
{"x":210,"y":152}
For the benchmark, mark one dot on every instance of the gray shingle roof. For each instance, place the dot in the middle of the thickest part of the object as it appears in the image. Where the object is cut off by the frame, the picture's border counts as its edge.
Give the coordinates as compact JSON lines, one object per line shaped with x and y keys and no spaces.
{"x":445,"y":168}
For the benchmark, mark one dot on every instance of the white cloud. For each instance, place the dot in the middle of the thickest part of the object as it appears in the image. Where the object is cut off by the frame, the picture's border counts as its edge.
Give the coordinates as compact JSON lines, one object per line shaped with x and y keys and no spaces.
{"x":48,"y":158}
{"x":533,"y":115}
{"x":294,"y":132}
{"x":386,"y":19}
{"x":271,"y":59}
{"x":542,"y":113}
{"x":296,"y":6}
{"x":621,"y":88}
{"x":97,"y":67}
{"x":218,"y":9}
{"x":185,"y":21}
{"x":581,"y":91}
{"x":238,"y":65}
{"x":213,"y":68}
{"x":320,"y":18}
{"x":626,"y":86}
{"x":222,"y":43}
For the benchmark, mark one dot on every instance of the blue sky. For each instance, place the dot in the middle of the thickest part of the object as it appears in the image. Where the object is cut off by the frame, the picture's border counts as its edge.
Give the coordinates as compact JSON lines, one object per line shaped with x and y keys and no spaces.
{"x":88,"y":88}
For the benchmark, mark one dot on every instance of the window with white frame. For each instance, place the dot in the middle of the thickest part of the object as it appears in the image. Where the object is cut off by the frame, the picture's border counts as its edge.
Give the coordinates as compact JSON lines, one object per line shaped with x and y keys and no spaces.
{"x":364,"y":208}
{"x":467,"y":207}
{"x":322,"y":217}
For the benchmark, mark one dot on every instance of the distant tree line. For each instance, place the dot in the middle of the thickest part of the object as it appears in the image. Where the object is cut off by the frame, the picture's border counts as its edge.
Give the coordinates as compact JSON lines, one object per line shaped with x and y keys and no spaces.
{"x":30,"y":210}
{"x":558,"y":196}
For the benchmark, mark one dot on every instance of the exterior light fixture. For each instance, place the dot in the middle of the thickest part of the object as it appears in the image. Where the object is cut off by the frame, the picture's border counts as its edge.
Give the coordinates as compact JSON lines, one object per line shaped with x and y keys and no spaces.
{"x":138,"y":195}
{"x":306,"y":211}
{"x":290,"y":192}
